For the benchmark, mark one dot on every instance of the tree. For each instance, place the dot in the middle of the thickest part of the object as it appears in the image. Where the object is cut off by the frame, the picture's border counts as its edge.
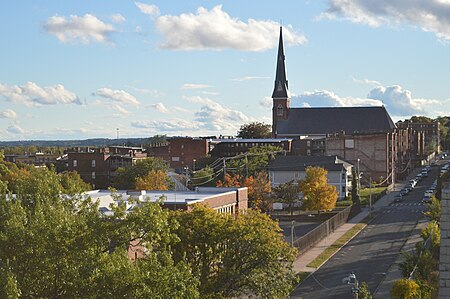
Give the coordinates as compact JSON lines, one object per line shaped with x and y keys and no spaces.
{"x":317,"y":194}
{"x":364,"y":292}
{"x":55,"y":246}
{"x":230,"y":181}
{"x":433,"y":209}
{"x":154,"y":180}
{"x":72,"y":183}
{"x":246,"y":256}
{"x":255,"y":130}
{"x":259,"y":188}
{"x":405,"y":289}
{"x":126,"y":177}
{"x":203,"y":177}
{"x":288,"y":193}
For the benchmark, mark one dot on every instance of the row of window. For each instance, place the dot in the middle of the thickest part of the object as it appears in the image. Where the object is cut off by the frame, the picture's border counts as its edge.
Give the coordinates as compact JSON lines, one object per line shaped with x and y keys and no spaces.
{"x":75,"y":163}
{"x":225,"y":210}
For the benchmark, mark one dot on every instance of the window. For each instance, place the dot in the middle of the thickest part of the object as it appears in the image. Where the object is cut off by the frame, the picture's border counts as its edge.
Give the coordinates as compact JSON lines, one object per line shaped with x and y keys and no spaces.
{"x":280,"y":110}
{"x":75,"y":163}
{"x":93,"y":175}
{"x":93,"y":163}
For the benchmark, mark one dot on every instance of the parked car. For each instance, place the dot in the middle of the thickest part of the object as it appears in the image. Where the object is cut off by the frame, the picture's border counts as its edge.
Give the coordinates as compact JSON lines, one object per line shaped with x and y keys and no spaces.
{"x":426,"y":199}
{"x":424,"y":173}
{"x":398,"y":198}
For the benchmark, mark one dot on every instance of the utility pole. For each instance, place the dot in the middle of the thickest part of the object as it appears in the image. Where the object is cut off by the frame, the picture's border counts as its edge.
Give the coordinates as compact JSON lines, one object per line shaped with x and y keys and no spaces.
{"x":292,"y":232}
{"x":359,"y":184}
{"x":370,"y":196}
{"x":246,"y":164}
{"x":224,"y":168}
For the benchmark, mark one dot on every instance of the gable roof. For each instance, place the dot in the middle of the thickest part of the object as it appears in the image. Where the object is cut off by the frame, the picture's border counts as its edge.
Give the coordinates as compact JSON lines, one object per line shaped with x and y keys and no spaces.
{"x":329,"y":120}
{"x":300,"y":163}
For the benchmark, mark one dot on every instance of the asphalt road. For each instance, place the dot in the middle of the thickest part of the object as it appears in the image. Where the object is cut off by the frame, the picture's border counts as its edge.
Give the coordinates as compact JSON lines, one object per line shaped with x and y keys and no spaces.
{"x":370,"y":254}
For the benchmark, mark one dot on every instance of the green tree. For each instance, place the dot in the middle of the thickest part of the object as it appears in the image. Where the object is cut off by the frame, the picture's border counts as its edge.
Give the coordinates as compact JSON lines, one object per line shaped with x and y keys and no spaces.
{"x":317,"y":194}
{"x":154,"y":180}
{"x":204,"y":177}
{"x":72,"y":183}
{"x":126,"y":177}
{"x":235,"y":257}
{"x":288,"y":193}
{"x":55,"y":246}
{"x":255,"y":130}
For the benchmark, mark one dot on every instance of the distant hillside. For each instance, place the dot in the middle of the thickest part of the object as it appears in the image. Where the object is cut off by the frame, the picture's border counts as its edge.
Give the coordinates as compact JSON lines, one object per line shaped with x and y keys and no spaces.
{"x":97,"y":142}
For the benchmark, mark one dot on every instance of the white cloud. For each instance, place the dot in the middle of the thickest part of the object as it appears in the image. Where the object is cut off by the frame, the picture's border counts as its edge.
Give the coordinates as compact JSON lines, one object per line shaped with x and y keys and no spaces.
{"x":367,"y":81}
{"x":326,"y":98}
{"x":15,"y":129}
{"x":266,"y":102}
{"x":170,"y":125}
{"x":117,"y":18}
{"x":217,"y":30}
{"x":399,"y":101}
{"x":8,"y":113}
{"x":429,"y":15}
{"x":148,"y":9}
{"x":160,"y":107}
{"x":119,"y":96}
{"x":79,"y":29}
{"x":194,"y":86}
{"x":181,"y":109}
{"x":120,"y":109}
{"x":152,"y":92}
{"x":31,"y":94}
{"x":215,"y":117}
{"x":247,"y":78}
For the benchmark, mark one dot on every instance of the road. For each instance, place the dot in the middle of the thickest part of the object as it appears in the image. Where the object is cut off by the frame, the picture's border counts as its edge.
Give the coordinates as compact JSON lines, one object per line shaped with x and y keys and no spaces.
{"x":370,"y":254}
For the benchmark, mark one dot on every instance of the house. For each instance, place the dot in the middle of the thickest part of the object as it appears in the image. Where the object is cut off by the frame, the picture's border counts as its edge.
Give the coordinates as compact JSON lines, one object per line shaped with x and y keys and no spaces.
{"x":293,"y":168}
{"x":364,"y":134}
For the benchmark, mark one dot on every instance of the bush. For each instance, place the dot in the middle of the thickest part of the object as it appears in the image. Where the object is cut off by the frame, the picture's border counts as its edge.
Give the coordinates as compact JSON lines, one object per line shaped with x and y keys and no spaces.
{"x":405,"y":289}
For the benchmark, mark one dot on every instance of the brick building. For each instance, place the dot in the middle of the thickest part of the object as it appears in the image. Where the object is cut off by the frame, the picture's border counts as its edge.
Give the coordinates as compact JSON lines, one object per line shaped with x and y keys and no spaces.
{"x":97,"y":166}
{"x":181,"y":152}
{"x":230,"y":147}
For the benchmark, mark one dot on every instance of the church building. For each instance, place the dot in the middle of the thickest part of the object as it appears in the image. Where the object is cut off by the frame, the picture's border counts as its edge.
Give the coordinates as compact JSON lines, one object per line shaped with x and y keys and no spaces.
{"x":364,"y":136}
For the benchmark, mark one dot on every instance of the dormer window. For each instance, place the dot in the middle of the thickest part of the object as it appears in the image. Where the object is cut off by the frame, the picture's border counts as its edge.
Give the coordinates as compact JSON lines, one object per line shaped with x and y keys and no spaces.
{"x":280,"y":110}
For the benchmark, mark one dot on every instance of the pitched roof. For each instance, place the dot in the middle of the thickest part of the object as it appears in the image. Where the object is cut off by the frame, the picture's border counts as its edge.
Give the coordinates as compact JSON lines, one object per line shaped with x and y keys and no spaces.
{"x":328,"y":120}
{"x":300,"y":163}
{"x":280,"y":89}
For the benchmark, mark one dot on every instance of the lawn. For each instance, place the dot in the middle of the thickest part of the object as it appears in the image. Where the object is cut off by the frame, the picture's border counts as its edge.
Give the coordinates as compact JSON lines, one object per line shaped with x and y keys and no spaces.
{"x":365,"y":194}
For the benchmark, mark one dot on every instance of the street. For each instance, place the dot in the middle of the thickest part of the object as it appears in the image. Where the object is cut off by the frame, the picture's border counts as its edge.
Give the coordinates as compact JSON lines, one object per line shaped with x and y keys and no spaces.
{"x":370,"y":254}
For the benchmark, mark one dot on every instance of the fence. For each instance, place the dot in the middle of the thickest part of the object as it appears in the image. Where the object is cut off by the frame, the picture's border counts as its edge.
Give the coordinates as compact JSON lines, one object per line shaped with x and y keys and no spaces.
{"x":323,"y":230}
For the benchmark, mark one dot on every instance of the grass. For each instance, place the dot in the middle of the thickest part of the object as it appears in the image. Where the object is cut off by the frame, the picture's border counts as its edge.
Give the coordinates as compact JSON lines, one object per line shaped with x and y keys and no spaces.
{"x":327,"y":253}
{"x":365,"y":194}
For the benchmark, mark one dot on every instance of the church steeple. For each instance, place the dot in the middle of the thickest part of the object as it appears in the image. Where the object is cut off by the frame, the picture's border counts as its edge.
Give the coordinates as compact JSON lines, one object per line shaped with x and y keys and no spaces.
{"x":281,"y":84}
{"x":280,"y":95}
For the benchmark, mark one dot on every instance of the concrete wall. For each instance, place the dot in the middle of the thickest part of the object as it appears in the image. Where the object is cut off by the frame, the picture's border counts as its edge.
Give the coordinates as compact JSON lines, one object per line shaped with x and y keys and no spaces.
{"x":444,"y":259}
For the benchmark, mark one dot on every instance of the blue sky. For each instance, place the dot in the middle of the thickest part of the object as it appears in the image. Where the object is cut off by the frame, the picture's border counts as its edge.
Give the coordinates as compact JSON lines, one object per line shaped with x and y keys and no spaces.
{"x":81,"y":69}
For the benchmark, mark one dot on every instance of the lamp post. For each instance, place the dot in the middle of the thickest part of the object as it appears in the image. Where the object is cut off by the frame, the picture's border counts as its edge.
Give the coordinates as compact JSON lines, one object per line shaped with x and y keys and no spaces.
{"x":193,"y":167}
{"x":359,"y":182}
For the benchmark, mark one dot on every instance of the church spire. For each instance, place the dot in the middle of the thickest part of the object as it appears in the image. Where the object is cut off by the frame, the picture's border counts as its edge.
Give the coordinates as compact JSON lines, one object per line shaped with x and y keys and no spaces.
{"x":281,"y":84}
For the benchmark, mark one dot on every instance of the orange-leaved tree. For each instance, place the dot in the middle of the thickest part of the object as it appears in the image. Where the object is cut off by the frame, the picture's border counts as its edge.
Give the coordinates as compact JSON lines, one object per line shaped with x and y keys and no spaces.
{"x":154,"y":180}
{"x":259,"y":189}
{"x":230,"y":181}
{"x":317,"y":194}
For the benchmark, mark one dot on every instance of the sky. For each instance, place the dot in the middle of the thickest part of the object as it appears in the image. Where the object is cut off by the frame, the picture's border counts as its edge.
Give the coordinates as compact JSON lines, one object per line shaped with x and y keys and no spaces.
{"x":83,"y":69}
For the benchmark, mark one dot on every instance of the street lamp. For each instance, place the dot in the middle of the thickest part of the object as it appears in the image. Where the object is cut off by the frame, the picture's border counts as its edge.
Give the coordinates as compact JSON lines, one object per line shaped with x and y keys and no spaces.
{"x":352,"y":280}
{"x":359,"y":182}
{"x":193,"y":167}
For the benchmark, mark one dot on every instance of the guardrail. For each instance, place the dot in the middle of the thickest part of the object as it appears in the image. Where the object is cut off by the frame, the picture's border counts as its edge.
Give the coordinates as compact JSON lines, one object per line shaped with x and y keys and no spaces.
{"x":323,"y":230}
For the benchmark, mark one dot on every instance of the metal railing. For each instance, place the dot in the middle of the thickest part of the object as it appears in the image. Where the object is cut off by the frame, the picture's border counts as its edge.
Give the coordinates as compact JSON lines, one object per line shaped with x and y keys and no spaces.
{"x":323,"y":230}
